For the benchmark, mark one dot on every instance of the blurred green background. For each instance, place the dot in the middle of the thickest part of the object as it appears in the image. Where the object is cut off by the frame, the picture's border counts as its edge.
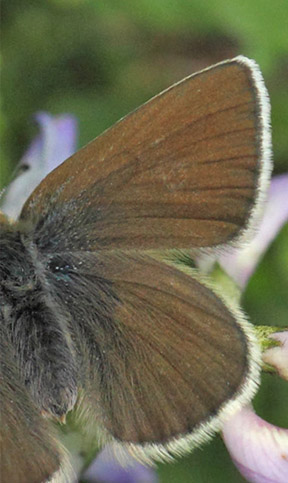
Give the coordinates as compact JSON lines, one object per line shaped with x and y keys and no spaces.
{"x":99,"y":60}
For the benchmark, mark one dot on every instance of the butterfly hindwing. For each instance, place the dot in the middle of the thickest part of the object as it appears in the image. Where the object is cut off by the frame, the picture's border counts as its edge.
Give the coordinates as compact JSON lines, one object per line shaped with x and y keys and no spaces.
{"x":166,"y":354}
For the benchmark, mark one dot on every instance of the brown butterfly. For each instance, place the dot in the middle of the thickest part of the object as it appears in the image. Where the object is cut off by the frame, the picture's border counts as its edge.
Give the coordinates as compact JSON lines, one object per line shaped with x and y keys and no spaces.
{"x":94,"y":311}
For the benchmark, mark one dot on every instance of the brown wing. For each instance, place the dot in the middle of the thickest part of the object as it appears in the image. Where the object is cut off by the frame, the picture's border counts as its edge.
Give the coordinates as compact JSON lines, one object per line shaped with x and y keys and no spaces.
{"x":182,"y":171}
{"x":173,"y":361}
{"x":28,"y":452}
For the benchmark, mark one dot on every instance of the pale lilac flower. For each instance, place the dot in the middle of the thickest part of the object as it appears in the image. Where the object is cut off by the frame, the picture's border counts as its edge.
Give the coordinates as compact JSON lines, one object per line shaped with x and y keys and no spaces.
{"x":241,"y":263}
{"x":257,"y":448}
{"x":106,"y":469}
{"x":55,"y":143}
{"x":277,"y":357}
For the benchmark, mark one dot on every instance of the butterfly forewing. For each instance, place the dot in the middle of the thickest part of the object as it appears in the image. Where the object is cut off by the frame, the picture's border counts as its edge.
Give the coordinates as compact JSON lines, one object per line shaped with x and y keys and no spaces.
{"x":181,"y":171}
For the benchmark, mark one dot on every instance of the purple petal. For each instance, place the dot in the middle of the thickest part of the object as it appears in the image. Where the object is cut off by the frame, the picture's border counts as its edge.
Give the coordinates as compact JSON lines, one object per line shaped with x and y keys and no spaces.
{"x":241,"y":263}
{"x":55,"y":142}
{"x":277,"y":357}
{"x":106,"y":469}
{"x":59,"y":138}
{"x":258,"y":449}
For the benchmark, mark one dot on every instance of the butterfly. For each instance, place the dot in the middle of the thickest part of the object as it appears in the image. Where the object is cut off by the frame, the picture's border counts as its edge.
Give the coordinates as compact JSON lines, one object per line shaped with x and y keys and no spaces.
{"x":96,"y":312}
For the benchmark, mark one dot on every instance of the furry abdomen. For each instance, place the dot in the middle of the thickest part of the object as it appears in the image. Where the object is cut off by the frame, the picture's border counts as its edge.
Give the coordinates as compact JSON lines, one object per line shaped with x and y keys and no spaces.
{"x":36,"y":326}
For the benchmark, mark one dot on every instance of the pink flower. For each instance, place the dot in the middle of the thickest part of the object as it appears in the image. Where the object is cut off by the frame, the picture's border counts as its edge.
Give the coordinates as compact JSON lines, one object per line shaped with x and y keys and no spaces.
{"x":241,"y":263}
{"x":257,"y":448}
{"x":277,"y":357}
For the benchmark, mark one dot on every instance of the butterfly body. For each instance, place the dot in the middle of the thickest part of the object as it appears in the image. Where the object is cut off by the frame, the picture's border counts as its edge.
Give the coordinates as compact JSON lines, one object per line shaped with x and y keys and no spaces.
{"x":94,"y":316}
{"x":37,"y":330}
